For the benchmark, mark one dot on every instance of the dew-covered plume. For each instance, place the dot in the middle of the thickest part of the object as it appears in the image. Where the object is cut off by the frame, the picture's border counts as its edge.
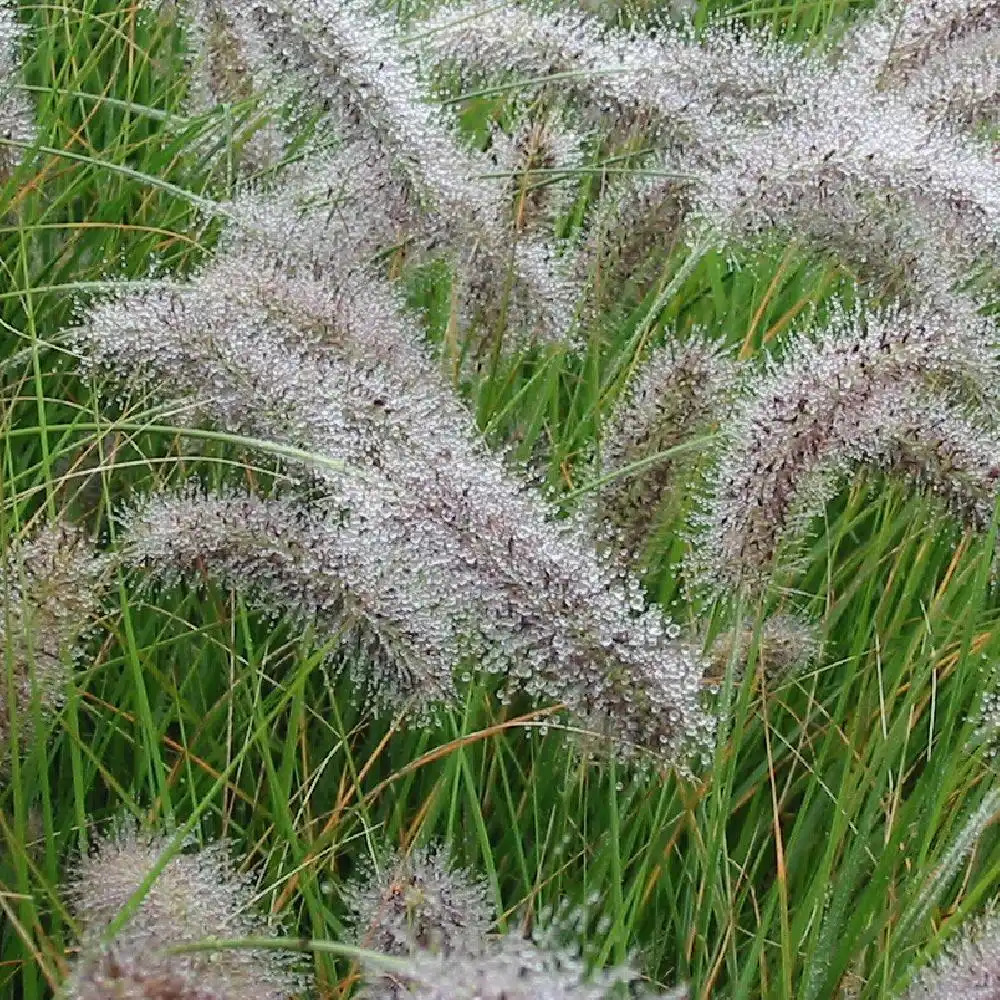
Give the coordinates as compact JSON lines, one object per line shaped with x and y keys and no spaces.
{"x":885,"y":389}
{"x":686,"y":90}
{"x":332,"y":214}
{"x":636,"y":222}
{"x":529,"y":161}
{"x":338,"y":373}
{"x":16,"y":118}
{"x":941,"y":57}
{"x":51,"y":590}
{"x":331,"y":570}
{"x":418,"y":902}
{"x":856,"y":173}
{"x":199,"y":894}
{"x":782,"y":645}
{"x":515,"y":968}
{"x":347,"y":57}
{"x":968,"y":970}
{"x":345,"y":54}
{"x":137,"y":975}
{"x":680,"y":392}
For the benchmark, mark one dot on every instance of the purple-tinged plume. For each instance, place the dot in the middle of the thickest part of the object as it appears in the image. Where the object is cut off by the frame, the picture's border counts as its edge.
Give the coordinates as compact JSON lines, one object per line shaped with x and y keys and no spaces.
{"x":681,"y":390}
{"x":51,"y":590}
{"x":198,"y":895}
{"x":879,"y":389}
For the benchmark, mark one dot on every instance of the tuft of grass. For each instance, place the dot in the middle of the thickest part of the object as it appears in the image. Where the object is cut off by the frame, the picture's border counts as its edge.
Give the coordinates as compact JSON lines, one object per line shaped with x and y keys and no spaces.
{"x":846,"y":823}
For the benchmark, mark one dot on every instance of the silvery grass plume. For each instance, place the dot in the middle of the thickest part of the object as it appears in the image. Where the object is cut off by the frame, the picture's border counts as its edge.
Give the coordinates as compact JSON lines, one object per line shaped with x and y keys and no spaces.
{"x":909,"y":206}
{"x":266,"y":351}
{"x":782,"y":645}
{"x":633,"y":227}
{"x":347,"y":578}
{"x":198,"y":895}
{"x":51,"y":584}
{"x":347,"y":57}
{"x":518,"y":969}
{"x":679,"y":393}
{"x":230,"y":62}
{"x":530,"y":160}
{"x":434,"y":513}
{"x":418,"y":902}
{"x":941,"y":55}
{"x":112,"y":975}
{"x":687,"y":90}
{"x":969,"y":969}
{"x":875,"y":388}
{"x":331,"y":215}
{"x":16,"y":119}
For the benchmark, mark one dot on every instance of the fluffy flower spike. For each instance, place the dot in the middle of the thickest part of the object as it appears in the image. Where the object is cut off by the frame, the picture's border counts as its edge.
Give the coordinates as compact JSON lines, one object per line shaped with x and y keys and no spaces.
{"x":198,"y":895}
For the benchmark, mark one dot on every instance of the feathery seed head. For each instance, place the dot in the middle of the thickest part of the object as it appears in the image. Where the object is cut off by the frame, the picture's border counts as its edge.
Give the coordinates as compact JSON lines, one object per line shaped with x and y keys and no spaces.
{"x":882,"y":389}
{"x":346,"y":56}
{"x":419,"y":903}
{"x":330,"y":215}
{"x":679,"y":393}
{"x":859,"y":174}
{"x":16,"y":120}
{"x":333,"y":572}
{"x":969,"y":970}
{"x":198,"y":895}
{"x":51,"y":587}
{"x":782,"y":644}
{"x":448,"y":555}
{"x":940,"y":57}
{"x":518,"y":969}
{"x":532,"y":155}
{"x":128,"y":975}
{"x":634,"y":226}
{"x":688,"y":89}
{"x":229,"y":62}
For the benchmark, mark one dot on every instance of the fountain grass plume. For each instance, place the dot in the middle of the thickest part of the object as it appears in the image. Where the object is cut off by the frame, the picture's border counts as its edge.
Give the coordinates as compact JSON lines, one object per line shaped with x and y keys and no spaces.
{"x":16,"y":115}
{"x":679,"y":392}
{"x":199,"y":894}
{"x":348,"y":58}
{"x":854,"y":172}
{"x":886,"y":389}
{"x":515,"y":968}
{"x":686,"y":89}
{"x":330,"y":571}
{"x":51,"y":584}
{"x":418,"y":902}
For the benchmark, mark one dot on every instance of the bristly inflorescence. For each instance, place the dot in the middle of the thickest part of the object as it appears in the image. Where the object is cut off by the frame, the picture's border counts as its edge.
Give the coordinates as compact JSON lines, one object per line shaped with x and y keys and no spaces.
{"x":51,"y":592}
{"x":680,"y":392}
{"x":969,"y":969}
{"x":515,"y":968}
{"x":907,"y":206}
{"x":687,"y":90}
{"x":324,"y":569}
{"x":529,"y":161}
{"x":135,"y":976}
{"x":638,"y":220}
{"x":16,"y":120}
{"x":197,"y":895}
{"x":230,"y":62}
{"x":939,"y":55}
{"x":347,"y":57}
{"x":883,"y":389}
{"x":418,"y":902}
{"x":781,"y":646}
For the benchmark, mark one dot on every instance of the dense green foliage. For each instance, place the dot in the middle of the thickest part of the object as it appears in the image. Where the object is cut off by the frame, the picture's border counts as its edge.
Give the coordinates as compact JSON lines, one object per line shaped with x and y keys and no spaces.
{"x":843,"y":830}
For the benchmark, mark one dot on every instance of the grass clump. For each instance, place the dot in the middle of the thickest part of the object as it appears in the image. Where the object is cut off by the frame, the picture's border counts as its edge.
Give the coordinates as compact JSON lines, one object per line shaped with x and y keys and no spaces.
{"x":568,"y":439}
